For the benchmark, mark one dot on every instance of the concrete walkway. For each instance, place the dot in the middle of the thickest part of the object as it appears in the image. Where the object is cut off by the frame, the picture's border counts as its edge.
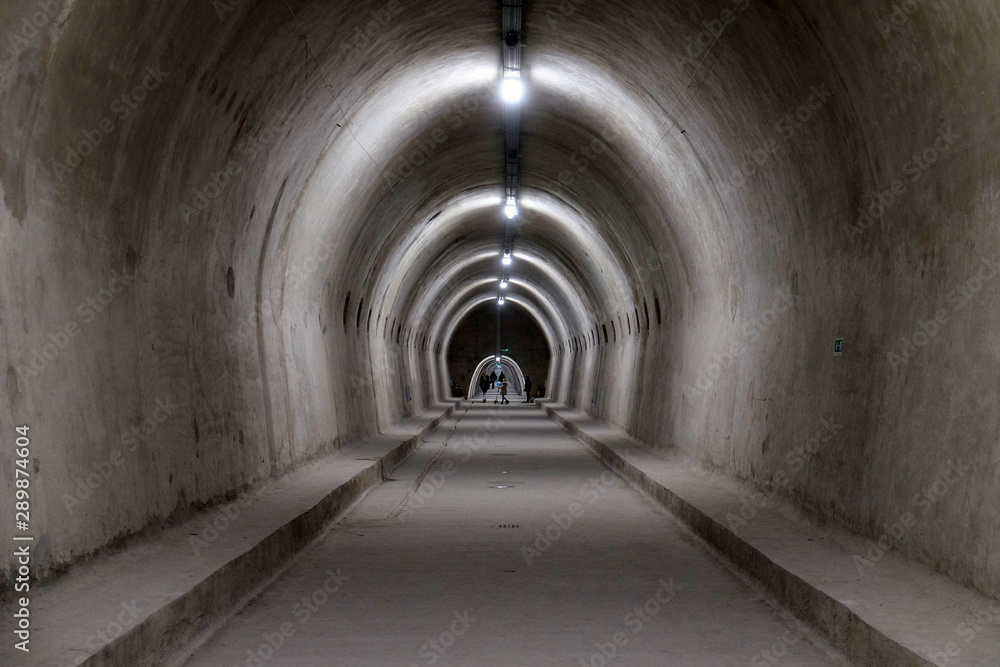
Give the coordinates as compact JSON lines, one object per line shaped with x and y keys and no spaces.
{"x":135,"y":606}
{"x":879,"y":607}
{"x":493,"y":394}
{"x":503,"y":541}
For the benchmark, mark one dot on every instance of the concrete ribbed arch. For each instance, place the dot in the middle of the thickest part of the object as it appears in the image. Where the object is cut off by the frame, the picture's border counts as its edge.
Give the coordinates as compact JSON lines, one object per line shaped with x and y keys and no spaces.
{"x":456,"y":274}
{"x":389,"y":241}
{"x":567,"y":292}
{"x":584,"y":311}
{"x":460,"y":308}
{"x":462,"y":302}
{"x":516,"y":383}
{"x":579,"y":239}
{"x":484,"y":273}
{"x":451,"y":310}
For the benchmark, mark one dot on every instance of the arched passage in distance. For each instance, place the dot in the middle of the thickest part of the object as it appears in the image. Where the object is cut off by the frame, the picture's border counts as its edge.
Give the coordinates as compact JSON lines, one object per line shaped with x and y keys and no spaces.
{"x":511,"y":370}
{"x":521,"y":338}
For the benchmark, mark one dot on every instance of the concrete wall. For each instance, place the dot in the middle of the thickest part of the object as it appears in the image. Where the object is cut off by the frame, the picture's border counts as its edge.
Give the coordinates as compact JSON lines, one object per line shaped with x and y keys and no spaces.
{"x":768,"y":177}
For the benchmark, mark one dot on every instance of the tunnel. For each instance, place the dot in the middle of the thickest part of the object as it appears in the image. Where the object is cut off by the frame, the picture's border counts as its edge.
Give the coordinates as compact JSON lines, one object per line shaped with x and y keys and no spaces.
{"x":749,"y":248}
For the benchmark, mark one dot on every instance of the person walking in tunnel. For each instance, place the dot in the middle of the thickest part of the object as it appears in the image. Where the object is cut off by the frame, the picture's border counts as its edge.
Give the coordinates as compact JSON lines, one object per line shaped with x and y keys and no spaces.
{"x":527,"y":390}
{"x":484,"y":384}
{"x":493,"y":383}
{"x":503,"y":391}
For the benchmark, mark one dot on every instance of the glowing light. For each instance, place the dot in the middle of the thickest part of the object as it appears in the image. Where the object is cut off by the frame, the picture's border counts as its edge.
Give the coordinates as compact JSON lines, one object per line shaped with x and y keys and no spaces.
{"x":506,"y":258}
{"x":512,"y":88}
{"x":511,"y":208}
{"x":503,"y":284}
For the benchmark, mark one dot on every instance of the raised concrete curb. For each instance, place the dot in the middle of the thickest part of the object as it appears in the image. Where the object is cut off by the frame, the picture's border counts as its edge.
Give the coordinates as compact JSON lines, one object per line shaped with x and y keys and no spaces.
{"x":190,"y":613}
{"x":848,"y":631}
{"x":159,"y":635}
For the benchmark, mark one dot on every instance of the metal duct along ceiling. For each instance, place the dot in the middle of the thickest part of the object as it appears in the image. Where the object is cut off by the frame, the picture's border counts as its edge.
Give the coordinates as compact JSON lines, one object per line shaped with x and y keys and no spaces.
{"x":512,"y":86}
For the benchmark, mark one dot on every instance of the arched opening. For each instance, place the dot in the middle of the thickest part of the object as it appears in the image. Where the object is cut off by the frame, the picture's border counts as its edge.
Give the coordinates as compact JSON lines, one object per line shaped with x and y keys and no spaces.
{"x":507,"y":366}
{"x":521,"y":338}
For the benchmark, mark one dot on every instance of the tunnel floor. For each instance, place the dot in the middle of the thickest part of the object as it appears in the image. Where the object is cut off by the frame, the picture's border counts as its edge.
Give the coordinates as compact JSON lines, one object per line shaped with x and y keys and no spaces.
{"x":503,"y":541}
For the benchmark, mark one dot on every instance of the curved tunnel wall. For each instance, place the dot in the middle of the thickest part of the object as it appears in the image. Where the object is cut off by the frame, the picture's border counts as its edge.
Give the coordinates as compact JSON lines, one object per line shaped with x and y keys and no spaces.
{"x":224,"y":234}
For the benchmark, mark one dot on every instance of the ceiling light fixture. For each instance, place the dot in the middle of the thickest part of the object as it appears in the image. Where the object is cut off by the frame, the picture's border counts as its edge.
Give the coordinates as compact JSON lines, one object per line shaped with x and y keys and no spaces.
{"x":512,"y":88}
{"x":511,"y":208}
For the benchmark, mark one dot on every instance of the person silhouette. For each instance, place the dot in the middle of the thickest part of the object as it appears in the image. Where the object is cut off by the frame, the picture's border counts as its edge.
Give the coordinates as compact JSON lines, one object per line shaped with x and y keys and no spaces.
{"x":484,"y":384}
